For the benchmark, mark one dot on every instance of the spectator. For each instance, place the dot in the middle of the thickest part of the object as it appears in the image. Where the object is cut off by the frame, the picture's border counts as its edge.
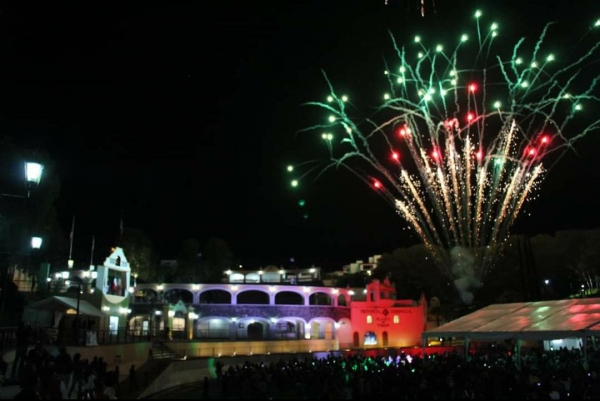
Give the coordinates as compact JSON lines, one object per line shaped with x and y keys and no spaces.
{"x":22,"y":345}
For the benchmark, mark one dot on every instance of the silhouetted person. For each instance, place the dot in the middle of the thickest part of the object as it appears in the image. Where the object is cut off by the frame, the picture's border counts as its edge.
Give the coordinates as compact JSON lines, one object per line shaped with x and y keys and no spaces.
{"x":132,"y":380}
{"x":22,"y":344}
{"x":205,"y":388}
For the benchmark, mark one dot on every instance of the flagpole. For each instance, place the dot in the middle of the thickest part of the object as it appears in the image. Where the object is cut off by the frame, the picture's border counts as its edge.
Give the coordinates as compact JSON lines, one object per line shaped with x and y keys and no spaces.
{"x":92,"y":257}
{"x":70,"y":261}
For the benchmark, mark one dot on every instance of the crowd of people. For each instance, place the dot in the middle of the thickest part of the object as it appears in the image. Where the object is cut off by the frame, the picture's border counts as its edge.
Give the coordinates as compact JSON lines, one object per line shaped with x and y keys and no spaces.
{"x":494,"y":373}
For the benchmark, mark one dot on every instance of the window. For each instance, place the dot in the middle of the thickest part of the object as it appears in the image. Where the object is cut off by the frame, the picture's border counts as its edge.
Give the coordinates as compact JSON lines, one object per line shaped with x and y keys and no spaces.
{"x":370,"y":338}
{"x":369,"y":319}
{"x":113,"y":325}
{"x":396,"y":319}
{"x":178,"y":324}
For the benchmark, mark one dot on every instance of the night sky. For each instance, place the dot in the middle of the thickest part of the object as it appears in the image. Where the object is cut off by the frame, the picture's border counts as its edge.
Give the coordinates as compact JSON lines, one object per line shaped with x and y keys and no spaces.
{"x":185,"y":118}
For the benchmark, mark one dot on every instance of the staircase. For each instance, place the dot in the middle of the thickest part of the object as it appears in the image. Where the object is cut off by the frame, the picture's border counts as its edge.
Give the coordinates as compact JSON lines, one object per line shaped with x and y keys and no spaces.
{"x":161,"y":351}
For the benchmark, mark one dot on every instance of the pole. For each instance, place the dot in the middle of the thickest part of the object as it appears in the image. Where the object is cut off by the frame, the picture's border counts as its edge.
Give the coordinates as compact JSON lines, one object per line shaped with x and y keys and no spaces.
{"x":77,"y":316}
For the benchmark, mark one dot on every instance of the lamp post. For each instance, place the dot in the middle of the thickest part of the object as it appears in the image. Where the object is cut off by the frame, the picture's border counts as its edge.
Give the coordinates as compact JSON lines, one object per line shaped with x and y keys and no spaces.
{"x":36,"y":243}
{"x":33,"y":175}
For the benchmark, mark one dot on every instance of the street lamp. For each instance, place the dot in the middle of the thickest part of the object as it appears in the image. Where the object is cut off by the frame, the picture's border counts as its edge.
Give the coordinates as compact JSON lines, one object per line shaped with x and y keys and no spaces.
{"x":36,"y":242}
{"x":33,"y":175}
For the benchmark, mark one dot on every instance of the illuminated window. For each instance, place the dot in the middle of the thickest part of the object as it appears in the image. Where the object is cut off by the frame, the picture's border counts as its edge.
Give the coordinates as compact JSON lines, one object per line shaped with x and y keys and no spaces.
{"x":396,"y":319}
{"x":178,"y":324}
{"x":369,"y":319}
{"x":370,"y":338}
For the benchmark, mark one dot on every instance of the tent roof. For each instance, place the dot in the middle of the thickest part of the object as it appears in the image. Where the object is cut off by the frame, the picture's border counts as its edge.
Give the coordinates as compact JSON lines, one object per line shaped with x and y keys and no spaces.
{"x":66,"y":303}
{"x":544,"y":320}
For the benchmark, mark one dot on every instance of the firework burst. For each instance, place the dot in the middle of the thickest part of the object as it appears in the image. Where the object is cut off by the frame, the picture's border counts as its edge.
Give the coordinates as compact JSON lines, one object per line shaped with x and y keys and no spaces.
{"x":458,"y":144}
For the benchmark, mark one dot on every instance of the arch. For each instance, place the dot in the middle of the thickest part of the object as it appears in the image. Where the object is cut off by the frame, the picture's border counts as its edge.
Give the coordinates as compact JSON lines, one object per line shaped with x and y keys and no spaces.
{"x":236,"y":278}
{"x":320,"y":298}
{"x":315,"y":329}
{"x":355,"y":338}
{"x":370,"y":338}
{"x":254,"y":297}
{"x":215,"y":297}
{"x":255,"y":331}
{"x":342,"y":300}
{"x":288,"y":298}
{"x":288,"y":328}
{"x":174,"y":295}
{"x":328,"y":331}
{"x":384,"y":338}
{"x":73,"y":290}
{"x":252,"y":278}
{"x":271,"y":277}
{"x":213,"y":327}
{"x":140,"y":325}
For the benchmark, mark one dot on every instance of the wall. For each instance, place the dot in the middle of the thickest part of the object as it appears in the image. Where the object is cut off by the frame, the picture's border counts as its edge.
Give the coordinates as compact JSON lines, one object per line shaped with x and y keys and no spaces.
{"x":405,"y":333}
{"x":123,"y":355}
{"x":183,"y":372}
{"x":209,"y":349}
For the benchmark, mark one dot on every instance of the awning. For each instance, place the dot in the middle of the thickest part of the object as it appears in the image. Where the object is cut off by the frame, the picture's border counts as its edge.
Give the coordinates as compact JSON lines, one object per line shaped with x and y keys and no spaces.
{"x":65,"y":303}
{"x":543,"y":320}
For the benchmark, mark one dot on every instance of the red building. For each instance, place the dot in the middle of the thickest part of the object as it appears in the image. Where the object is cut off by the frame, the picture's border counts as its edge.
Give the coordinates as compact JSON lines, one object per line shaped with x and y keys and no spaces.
{"x":384,"y":321}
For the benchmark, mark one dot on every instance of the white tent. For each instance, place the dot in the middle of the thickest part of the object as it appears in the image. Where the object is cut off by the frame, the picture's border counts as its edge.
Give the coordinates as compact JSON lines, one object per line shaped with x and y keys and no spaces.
{"x":544,"y":320}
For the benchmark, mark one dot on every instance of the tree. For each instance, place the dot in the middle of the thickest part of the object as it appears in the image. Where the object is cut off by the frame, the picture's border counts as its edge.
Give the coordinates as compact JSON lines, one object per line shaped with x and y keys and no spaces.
{"x":188,"y":261}
{"x":141,"y":255}
{"x":216,"y":258}
{"x":588,"y":266}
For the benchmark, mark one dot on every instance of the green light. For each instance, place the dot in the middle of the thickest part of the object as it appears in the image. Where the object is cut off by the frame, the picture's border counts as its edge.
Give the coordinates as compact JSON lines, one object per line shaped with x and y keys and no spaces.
{"x":494,"y":34}
{"x":400,"y":80}
{"x":453,"y":82}
{"x":498,"y":162}
{"x":385,"y":72}
{"x":519,"y":60}
{"x":566,"y":96}
{"x":301,"y":203}
{"x":290,"y":168}
{"x":477,"y":14}
{"x":329,"y":137}
{"x":524,"y":84}
{"x":452,"y":73}
{"x":344,"y":98}
{"x":305,"y":216}
{"x":494,"y":26}
{"x":331,"y":119}
{"x":443,"y":92}
{"x":386,"y":96}
{"x":578,"y":107}
{"x":534,"y":64}
{"x":427,"y":97}
{"x":294,"y":183}
{"x":464,"y":38}
{"x":417,"y":39}
{"x":431,"y":91}
{"x":420,"y":55}
{"x":550,"y":57}
{"x":330,"y":99}
{"x":402,"y":69}
{"x":439,"y":48}
{"x":497,"y":105}
{"x":597,"y":23}
{"x":324,"y":136}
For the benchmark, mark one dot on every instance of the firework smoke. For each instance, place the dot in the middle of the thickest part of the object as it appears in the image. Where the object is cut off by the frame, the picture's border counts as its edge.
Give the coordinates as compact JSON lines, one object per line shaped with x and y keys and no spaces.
{"x":464,"y":271}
